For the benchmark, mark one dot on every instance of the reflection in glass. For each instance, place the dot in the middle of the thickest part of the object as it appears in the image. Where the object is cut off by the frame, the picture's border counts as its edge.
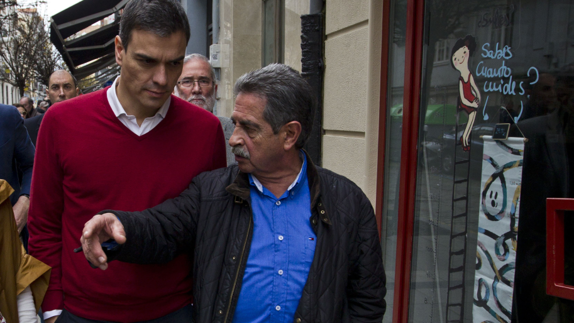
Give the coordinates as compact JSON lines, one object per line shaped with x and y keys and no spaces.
{"x":523,"y":72}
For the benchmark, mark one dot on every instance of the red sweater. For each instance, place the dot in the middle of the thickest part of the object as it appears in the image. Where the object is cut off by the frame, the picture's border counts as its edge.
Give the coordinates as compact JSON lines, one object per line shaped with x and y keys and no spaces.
{"x":87,"y":161}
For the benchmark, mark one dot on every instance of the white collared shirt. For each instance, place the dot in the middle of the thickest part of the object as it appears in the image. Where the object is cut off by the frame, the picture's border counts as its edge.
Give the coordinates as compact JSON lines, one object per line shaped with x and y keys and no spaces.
{"x":130,"y":121}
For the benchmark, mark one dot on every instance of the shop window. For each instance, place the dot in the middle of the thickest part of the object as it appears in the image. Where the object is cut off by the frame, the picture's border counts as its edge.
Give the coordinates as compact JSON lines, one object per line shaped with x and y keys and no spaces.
{"x":441,"y":51}
{"x":273,"y":31}
{"x":479,"y":219}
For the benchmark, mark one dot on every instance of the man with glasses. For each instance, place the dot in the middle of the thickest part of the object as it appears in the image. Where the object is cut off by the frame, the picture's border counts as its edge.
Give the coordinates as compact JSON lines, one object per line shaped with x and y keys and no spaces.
{"x":197,"y":84}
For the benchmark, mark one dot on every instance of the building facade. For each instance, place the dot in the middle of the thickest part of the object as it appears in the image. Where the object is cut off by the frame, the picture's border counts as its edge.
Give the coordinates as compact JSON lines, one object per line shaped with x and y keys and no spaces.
{"x":412,"y":91}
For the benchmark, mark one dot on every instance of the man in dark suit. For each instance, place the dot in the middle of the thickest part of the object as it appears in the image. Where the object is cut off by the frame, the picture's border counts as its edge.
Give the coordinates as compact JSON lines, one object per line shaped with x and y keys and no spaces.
{"x":61,"y":86}
{"x":16,"y":152}
{"x":547,"y":172}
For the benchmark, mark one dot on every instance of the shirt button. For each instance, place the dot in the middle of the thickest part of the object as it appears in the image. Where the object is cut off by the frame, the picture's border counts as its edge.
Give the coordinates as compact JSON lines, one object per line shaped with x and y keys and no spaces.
{"x":278,"y":203}
{"x":280,"y":238}
{"x":298,"y":320}
{"x":278,"y":308}
{"x":280,"y":272}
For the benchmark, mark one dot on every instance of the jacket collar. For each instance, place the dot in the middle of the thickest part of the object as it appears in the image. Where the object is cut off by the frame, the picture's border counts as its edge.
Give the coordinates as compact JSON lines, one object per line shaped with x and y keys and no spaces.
{"x":240,"y":189}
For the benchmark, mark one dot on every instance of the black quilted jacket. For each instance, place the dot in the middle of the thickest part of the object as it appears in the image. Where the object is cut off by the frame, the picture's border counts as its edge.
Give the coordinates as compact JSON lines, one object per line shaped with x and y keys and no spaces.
{"x":213,"y":219}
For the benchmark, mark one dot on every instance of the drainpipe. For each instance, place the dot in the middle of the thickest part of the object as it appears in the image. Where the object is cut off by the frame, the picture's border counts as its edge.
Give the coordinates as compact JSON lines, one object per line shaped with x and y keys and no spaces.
{"x":215,"y":21}
{"x":315,"y":6}
{"x":312,"y":35}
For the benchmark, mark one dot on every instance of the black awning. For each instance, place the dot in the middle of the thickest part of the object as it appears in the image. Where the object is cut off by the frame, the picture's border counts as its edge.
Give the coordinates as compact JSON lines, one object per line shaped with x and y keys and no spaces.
{"x":83,"y":14}
{"x":97,"y":46}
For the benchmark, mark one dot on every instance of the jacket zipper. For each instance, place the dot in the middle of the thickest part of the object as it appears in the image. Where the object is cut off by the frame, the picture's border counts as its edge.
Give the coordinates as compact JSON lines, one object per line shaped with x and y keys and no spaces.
{"x":238,"y":269}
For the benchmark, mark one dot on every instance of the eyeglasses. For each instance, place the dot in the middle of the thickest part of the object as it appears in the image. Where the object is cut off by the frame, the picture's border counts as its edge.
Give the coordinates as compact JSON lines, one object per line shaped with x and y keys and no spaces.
{"x":203,"y":82}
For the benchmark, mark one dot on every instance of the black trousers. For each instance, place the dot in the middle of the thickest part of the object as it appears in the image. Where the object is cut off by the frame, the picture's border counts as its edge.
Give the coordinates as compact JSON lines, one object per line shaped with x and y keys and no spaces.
{"x":180,"y":316}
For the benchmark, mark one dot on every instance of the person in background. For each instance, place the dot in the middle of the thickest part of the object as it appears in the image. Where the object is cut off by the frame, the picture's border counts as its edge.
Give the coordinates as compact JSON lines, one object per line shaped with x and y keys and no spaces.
{"x":28,"y":104}
{"x":197,"y":84}
{"x":22,"y":110}
{"x":274,"y":238}
{"x":133,"y":137}
{"x":43,"y":106}
{"x":61,"y":86}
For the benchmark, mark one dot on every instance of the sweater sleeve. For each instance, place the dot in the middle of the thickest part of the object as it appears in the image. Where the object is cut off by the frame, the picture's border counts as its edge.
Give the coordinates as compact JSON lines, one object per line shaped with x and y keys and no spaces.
{"x":46,"y":208}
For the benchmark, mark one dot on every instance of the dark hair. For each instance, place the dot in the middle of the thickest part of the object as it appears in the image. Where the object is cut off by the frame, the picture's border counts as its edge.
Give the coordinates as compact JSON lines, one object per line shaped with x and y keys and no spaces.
{"x":161,"y":17}
{"x":289,"y":97}
{"x":468,"y":41}
{"x":74,"y":80}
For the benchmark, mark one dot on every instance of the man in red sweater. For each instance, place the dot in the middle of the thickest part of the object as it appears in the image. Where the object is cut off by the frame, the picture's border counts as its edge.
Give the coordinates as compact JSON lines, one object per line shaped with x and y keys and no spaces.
{"x":130,"y":147}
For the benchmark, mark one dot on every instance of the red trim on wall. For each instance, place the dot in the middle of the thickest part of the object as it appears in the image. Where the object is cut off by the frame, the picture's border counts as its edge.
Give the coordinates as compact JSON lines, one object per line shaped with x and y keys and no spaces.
{"x":555,"y":286}
{"x":383,"y":114}
{"x":410,"y":134}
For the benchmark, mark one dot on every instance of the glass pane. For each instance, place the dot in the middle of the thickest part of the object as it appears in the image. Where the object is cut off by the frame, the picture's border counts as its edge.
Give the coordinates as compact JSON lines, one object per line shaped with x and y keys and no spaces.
{"x":273,"y":31}
{"x":393,"y":146}
{"x":269,"y":26}
{"x":480,"y":228}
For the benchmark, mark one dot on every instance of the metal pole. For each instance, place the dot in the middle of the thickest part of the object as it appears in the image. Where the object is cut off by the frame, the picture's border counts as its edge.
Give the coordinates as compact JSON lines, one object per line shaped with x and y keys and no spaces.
{"x":312,"y":69}
{"x":215,"y":21}
{"x":315,"y":6}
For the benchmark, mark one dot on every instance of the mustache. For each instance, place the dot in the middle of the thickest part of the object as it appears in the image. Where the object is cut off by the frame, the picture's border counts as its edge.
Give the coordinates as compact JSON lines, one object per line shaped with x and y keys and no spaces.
{"x":240,"y":151}
{"x":196,"y":97}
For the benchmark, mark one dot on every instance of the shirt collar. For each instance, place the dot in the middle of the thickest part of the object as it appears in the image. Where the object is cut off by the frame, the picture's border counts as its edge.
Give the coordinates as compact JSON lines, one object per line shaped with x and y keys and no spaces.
{"x":254,"y":181}
{"x":119,"y":110}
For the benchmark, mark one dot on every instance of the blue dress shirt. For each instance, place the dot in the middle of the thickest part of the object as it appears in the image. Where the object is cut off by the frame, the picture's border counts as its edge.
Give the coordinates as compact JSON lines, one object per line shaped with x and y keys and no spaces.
{"x":281,"y":253}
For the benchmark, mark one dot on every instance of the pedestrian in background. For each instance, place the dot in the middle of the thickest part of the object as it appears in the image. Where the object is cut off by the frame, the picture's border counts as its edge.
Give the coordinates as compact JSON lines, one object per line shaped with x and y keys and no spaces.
{"x":28,"y":104}
{"x":61,"y":86}
{"x":197,"y":84}
{"x":22,"y":111}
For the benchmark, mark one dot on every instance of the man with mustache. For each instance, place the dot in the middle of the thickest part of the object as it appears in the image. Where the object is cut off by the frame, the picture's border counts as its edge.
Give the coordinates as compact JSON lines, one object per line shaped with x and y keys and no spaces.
{"x":275,"y":238}
{"x":129,"y":146}
{"x":197,"y":84}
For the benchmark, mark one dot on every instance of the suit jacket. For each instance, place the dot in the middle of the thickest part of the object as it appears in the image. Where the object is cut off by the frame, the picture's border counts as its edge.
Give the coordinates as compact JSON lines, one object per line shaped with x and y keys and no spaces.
{"x":33,"y":126}
{"x":16,"y":151}
{"x":546,"y":173}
